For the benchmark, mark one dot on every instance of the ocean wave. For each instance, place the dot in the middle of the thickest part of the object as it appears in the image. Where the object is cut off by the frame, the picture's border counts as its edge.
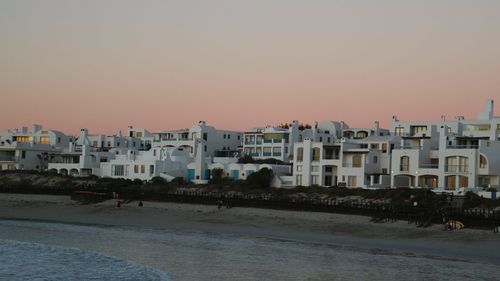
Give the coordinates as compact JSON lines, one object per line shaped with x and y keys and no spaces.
{"x":34,"y":261}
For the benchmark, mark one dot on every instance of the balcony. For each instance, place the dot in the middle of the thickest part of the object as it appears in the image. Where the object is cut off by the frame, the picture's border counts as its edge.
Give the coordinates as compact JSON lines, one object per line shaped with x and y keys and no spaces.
{"x":267,"y":154}
{"x":411,"y":147}
{"x":277,"y":154}
{"x":351,"y":165}
{"x":428,"y":166}
{"x":178,"y":139}
{"x":249,"y":143}
{"x":456,"y":168}
{"x":7,"y":158}
{"x":471,"y":146}
{"x":331,"y":157}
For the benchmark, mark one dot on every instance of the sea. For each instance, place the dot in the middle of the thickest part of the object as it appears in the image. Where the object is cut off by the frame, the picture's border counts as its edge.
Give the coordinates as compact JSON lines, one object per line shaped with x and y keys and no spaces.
{"x":42,"y":250}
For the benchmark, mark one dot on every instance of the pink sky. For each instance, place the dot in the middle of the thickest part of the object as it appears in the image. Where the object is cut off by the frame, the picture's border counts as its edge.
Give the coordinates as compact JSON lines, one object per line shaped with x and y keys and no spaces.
{"x":237,"y":65}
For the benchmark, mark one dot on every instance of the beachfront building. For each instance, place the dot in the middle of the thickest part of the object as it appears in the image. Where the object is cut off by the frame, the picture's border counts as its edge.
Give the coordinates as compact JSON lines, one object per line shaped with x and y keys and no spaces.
{"x":214,"y":140}
{"x":144,"y":136}
{"x":167,"y":162}
{"x":278,"y":142}
{"x":105,"y":143}
{"x":351,"y":163}
{"x":37,"y":135}
{"x":21,"y":149}
{"x":448,"y":155}
{"x":361,"y":133}
{"x":26,"y":155}
{"x":82,"y":160}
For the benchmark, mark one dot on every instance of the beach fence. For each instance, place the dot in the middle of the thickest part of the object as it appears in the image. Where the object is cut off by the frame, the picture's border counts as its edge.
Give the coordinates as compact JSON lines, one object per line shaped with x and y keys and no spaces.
{"x":379,"y":211}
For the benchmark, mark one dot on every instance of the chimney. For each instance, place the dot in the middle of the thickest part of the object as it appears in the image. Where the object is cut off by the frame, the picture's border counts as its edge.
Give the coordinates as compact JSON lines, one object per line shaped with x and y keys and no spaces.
{"x":35,"y":128}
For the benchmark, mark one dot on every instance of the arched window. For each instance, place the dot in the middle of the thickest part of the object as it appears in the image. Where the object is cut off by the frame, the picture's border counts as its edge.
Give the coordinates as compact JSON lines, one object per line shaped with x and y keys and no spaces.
{"x":404,"y":164}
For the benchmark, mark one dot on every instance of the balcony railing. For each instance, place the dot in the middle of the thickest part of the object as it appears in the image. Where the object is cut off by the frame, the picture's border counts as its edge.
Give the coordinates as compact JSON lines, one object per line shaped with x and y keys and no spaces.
{"x":428,"y":166}
{"x":351,"y":165}
{"x":249,"y":142}
{"x":178,"y":139}
{"x":277,"y":154}
{"x":331,"y":157}
{"x":456,"y":168}
{"x":267,"y":154}
{"x":7,"y":158}
{"x":411,"y":147}
{"x":471,"y":146}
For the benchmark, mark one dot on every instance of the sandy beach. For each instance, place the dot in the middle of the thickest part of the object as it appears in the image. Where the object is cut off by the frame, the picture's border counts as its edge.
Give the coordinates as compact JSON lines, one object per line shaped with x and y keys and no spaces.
{"x":198,"y":217}
{"x":210,"y":218}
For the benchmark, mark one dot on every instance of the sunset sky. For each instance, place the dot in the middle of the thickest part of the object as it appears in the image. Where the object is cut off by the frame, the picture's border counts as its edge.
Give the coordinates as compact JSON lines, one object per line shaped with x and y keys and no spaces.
{"x":104,"y":65}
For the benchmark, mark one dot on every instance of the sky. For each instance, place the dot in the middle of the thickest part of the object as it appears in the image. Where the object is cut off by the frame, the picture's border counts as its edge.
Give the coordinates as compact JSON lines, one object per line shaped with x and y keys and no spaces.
{"x":104,"y":65}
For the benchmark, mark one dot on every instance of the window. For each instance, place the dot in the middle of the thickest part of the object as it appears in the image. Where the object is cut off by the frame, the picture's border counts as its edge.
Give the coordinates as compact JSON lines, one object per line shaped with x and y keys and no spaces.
{"x":109,"y":144}
{"x":239,"y":137}
{"x":328,"y":169}
{"x":329,"y":139}
{"x":23,"y":139}
{"x":119,"y":170}
{"x":404,"y":164}
{"x":143,"y":169}
{"x":375,"y":159}
{"x":23,"y":154}
{"x":205,"y":148}
{"x":315,"y":180}
{"x":45,"y":140}
{"x":300,"y":154}
{"x":384,"y":148}
{"x":299,"y":180}
{"x":94,"y":143}
{"x":228,"y":136}
{"x":224,"y":136}
{"x":356,"y":161}
{"x":450,"y":182}
{"x":482,"y":162}
{"x":374,"y":146}
{"x":351,"y":181}
{"x":151,"y":169}
{"x":58,"y":140}
{"x":399,"y":131}
{"x":205,"y":136}
{"x":418,"y":129}
{"x":136,"y":169}
{"x":154,"y":152}
{"x":315,"y":168}
{"x":315,"y":154}
{"x":299,"y":168}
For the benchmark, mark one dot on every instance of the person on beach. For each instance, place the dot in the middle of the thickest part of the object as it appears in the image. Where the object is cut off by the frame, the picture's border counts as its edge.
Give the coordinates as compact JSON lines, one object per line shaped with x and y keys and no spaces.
{"x":141,"y":204}
{"x":219,"y":204}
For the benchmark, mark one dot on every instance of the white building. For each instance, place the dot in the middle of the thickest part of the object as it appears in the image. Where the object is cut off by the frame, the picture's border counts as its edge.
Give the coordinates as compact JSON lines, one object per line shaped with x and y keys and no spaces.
{"x":448,"y":155}
{"x":37,"y":135}
{"x":214,"y":139}
{"x":168,"y":162}
{"x":278,"y":142}
{"x":364,"y":163}
{"x":26,"y":156}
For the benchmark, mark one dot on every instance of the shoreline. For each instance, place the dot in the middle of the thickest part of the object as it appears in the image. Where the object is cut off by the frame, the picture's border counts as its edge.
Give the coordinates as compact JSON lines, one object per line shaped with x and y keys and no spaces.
{"x":323,"y":229}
